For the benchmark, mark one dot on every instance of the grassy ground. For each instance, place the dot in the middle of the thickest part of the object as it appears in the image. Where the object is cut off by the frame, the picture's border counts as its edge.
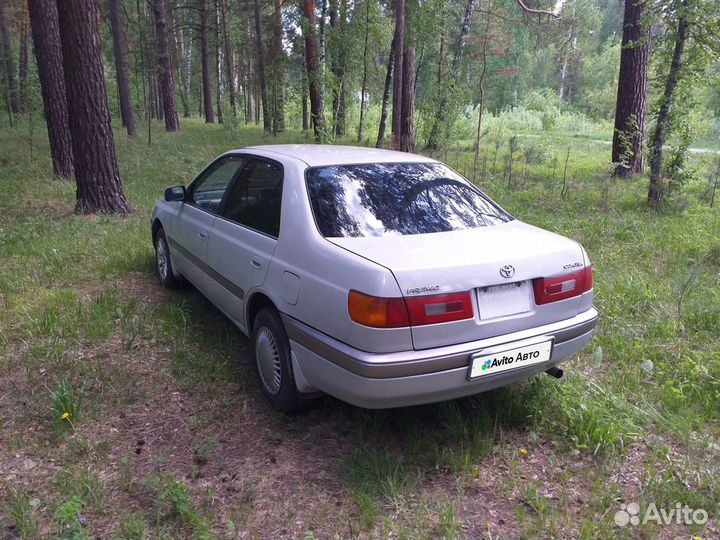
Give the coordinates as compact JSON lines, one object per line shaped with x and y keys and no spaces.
{"x":167,"y":436}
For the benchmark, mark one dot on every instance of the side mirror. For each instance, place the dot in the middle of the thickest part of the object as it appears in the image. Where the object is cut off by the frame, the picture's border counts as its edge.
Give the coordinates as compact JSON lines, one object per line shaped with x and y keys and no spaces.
{"x":175,"y":193}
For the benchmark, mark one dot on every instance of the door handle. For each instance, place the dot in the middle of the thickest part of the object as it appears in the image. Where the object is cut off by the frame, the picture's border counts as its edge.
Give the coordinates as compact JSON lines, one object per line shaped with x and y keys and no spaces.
{"x":256,"y":263}
{"x":202,"y":235}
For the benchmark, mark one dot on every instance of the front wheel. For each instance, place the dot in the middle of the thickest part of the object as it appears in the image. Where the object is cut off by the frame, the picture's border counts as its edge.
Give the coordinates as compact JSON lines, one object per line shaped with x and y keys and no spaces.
{"x":273,"y":363}
{"x":163,"y":262}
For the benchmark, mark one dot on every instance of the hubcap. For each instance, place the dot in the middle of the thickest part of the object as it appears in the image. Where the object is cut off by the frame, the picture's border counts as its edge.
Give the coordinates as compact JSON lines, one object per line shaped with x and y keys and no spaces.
{"x":267,"y":357}
{"x":162,"y":258}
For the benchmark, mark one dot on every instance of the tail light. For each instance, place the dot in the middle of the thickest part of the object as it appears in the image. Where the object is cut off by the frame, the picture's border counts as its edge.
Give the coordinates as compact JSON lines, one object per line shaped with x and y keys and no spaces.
{"x":439,"y":308}
{"x":399,"y":312}
{"x":377,"y":312}
{"x":555,"y":288}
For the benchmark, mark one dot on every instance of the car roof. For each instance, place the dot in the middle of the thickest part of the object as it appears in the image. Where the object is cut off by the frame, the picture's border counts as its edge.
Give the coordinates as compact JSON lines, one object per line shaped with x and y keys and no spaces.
{"x":328,"y":154}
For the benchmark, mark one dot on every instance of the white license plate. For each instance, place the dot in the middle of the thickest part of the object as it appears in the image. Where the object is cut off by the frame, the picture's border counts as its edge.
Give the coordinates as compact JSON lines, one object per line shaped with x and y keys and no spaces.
{"x":489,"y":363}
{"x":503,"y":300}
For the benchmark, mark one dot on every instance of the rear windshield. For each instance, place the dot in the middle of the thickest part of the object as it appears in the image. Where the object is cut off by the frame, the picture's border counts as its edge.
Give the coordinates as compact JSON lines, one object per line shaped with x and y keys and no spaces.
{"x":396,"y":199}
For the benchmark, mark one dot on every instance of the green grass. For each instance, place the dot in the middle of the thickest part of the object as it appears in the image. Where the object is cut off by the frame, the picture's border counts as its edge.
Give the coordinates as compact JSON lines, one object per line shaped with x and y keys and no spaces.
{"x":79,"y":335}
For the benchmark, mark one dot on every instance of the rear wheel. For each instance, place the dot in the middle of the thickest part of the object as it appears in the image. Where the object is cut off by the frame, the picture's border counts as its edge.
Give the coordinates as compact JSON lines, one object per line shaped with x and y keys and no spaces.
{"x":273,"y":363}
{"x":163,"y":262}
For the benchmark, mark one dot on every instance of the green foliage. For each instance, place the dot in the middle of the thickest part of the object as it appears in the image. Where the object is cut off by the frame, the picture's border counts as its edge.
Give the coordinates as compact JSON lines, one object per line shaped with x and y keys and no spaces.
{"x":65,"y":404}
{"x":173,"y":504}
{"x":73,"y":525}
{"x":83,"y":484}
{"x":21,"y":508}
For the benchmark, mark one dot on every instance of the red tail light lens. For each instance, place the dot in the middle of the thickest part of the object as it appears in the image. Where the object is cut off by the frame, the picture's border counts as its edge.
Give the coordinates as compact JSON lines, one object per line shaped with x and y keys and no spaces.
{"x":399,"y":312}
{"x":556,"y":288}
{"x":438,"y":308}
{"x":377,"y":312}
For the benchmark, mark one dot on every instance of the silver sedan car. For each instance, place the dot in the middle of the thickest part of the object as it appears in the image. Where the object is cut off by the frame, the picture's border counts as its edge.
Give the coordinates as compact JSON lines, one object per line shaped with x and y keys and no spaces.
{"x":382,"y":278}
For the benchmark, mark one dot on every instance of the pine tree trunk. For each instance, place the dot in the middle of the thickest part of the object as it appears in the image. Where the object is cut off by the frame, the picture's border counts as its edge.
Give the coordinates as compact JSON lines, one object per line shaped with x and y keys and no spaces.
{"x":165,"y":70}
{"x":627,"y":147}
{"x":229,"y":64}
{"x":11,"y":94}
{"x":313,"y":70}
{"x":481,"y":88}
{"x":182,"y":59}
{"x":48,"y":55}
{"x":23,"y":61}
{"x":121,"y":69}
{"x":446,"y":91}
{"x":386,"y":97}
{"x":398,"y":74}
{"x":407,"y":125}
{"x":96,"y":171}
{"x":278,"y":67}
{"x":218,"y":66}
{"x":205,"y":57}
{"x":261,"y":72}
{"x":656,"y":191}
{"x":365,"y":70}
{"x":338,"y":62}
{"x":304,"y":84}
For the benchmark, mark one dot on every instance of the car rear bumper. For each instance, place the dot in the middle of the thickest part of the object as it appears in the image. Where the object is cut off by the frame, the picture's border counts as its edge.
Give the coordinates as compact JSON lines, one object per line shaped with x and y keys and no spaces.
{"x":399,"y":379}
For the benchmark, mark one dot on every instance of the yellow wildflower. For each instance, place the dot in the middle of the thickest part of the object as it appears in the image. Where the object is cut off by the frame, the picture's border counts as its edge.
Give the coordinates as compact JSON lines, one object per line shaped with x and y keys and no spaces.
{"x":523,"y":451}
{"x":65,"y":416}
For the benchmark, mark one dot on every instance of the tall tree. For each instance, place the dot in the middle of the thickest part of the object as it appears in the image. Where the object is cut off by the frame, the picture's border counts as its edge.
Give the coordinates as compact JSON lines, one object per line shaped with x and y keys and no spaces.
{"x":481,"y":81}
{"x":407,"y":125}
{"x":205,"y":60}
{"x":48,"y":55}
{"x":261,"y":72}
{"x":363,"y":85}
{"x":304,"y":85}
{"x":11,"y":95}
{"x":445,"y":93}
{"x":338,"y":63}
{"x":121,"y":68}
{"x":655,"y":192}
{"x":229,"y":63}
{"x":399,"y":41}
{"x":386,"y":96}
{"x":182,"y":62}
{"x":627,"y":148}
{"x":314,"y":74}
{"x":96,"y":171}
{"x":218,"y":66}
{"x":23,"y":61}
{"x":165,"y":71}
{"x":278,"y":71}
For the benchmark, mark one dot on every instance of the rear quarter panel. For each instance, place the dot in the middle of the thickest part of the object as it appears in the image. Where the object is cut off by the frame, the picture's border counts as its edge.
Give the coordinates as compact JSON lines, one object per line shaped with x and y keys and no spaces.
{"x":325,"y":275}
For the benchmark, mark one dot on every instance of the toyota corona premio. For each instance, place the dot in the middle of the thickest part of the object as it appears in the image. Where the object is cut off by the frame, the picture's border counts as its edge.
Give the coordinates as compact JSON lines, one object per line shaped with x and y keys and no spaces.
{"x":382,"y":278}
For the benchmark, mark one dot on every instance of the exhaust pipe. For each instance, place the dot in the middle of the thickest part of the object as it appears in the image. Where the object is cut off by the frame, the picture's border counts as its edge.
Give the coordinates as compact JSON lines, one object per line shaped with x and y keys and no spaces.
{"x":555,"y":372}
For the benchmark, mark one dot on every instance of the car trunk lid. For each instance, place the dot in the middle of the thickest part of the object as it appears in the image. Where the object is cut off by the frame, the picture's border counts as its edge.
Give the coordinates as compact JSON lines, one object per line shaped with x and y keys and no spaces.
{"x":495,"y":264}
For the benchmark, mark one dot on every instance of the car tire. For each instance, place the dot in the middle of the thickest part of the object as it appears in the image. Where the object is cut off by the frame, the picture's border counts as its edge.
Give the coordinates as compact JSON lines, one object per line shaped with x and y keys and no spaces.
{"x":273,"y":362}
{"x":163,"y":262}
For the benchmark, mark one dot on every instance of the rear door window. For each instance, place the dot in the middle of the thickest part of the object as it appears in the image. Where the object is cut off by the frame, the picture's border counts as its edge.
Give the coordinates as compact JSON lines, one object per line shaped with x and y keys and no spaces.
{"x":254,"y":200}
{"x":395,"y":199}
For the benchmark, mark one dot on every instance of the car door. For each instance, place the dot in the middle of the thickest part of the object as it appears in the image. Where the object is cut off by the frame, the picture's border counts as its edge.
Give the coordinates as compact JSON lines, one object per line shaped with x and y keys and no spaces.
{"x":243,"y":238}
{"x":191,"y":227}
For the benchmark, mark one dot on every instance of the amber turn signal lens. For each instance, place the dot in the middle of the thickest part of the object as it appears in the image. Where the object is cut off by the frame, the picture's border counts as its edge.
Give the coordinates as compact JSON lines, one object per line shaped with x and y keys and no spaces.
{"x":376,"y":311}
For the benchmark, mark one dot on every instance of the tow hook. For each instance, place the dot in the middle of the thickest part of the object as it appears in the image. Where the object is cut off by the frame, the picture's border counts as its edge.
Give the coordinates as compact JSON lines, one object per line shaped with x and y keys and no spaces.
{"x":555,"y":372}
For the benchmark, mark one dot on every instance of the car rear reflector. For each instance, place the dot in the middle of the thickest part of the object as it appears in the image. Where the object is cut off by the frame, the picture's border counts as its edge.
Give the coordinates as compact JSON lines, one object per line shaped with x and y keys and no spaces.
{"x":555,"y":288}
{"x":417,"y":311}
{"x":377,"y":312}
{"x":438,"y":308}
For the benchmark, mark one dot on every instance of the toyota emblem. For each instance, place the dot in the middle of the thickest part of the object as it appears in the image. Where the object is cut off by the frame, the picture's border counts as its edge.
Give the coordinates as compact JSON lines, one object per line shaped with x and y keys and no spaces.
{"x":507,"y":271}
